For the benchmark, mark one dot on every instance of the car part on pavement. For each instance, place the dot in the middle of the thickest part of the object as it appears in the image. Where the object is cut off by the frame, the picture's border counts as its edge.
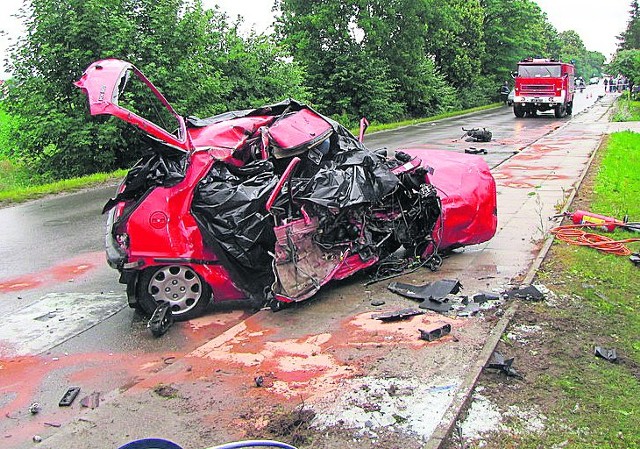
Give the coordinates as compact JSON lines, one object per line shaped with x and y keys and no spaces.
{"x":161,"y":320}
{"x":505,"y":365}
{"x":481,"y":298}
{"x":529,"y":293}
{"x":397,"y":314}
{"x":475,"y":151}
{"x":435,"y":334}
{"x":610,"y":355}
{"x":435,"y":291}
{"x":477,"y":134}
{"x":270,"y":204}
{"x":69,"y":396}
{"x":35,"y":408}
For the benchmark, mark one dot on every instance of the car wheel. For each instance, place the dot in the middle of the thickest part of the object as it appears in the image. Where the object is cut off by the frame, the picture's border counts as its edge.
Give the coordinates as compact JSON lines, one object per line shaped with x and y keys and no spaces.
{"x":187,"y":294}
{"x":518,"y":111}
{"x":560,"y":111}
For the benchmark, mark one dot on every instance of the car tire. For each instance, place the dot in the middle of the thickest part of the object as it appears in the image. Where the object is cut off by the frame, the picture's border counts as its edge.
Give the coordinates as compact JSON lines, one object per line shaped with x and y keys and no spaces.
{"x":179,"y":285}
{"x":560,"y":111}
{"x":518,"y":111}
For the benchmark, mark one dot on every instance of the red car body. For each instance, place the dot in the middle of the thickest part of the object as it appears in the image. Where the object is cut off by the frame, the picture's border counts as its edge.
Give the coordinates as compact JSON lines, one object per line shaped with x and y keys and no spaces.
{"x":272,"y":203}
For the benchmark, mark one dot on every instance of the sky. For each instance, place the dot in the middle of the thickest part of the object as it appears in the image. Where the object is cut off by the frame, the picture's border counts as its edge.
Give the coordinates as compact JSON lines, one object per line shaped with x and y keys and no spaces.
{"x":598,"y":22}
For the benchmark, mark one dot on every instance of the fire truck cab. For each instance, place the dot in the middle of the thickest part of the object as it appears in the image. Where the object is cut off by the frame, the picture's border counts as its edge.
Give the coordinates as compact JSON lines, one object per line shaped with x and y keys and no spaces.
{"x":543,"y":85}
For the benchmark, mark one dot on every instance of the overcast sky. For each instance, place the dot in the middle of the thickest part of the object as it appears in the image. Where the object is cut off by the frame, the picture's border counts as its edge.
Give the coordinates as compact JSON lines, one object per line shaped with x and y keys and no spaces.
{"x":598,"y":22}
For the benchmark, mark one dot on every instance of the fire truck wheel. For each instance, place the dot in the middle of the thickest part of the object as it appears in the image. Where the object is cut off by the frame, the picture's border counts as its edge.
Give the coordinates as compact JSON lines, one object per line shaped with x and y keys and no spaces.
{"x":518,"y":111}
{"x":180,"y":286}
{"x":560,"y":111}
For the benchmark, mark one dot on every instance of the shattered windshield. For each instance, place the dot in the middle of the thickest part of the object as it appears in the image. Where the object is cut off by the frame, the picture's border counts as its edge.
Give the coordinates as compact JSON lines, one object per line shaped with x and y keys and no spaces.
{"x":539,"y":71}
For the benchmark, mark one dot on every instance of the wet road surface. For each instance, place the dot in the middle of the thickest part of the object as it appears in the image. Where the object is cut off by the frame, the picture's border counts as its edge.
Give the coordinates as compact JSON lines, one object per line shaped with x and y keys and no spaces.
{"x":65,"y":319}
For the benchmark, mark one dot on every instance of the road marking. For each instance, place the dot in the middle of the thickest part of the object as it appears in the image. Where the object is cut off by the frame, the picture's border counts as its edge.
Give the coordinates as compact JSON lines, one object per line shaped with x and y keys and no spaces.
{"x":54,"y":319}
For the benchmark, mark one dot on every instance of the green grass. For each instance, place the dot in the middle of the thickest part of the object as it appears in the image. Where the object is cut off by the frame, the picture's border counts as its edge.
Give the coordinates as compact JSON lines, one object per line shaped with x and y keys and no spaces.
{"x":589,"y":402}
{"x":626,"y":111}
{"x":608,"y":394}
{"x":13,"y":189}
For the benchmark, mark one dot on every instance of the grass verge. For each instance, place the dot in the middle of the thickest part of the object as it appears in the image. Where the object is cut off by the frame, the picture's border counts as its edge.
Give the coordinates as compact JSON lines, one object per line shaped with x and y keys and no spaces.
{"x":17,"y":193}
{"x":626,"y":111}
{"x":569,"y":398}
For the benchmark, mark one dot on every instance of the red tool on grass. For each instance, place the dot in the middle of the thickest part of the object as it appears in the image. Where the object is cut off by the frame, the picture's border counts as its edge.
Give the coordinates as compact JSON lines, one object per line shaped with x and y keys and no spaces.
{"x":583,"y":217}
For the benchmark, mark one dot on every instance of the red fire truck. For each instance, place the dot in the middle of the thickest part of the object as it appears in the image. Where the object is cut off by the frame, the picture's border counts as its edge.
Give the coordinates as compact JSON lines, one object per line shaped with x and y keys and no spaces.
{"x":544,"y":85}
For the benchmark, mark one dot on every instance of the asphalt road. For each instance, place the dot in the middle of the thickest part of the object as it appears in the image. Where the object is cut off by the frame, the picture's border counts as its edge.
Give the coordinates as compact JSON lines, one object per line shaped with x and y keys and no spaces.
{"x":62,"y":303}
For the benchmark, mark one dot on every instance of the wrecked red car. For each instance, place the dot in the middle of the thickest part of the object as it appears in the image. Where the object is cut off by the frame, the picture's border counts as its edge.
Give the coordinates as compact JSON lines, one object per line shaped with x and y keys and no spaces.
{"x":270,"y":204}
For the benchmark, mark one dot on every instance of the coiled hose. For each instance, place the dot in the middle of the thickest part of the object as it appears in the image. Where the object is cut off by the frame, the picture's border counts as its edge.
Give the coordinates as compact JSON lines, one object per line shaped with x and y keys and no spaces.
{"x":576,"y":235}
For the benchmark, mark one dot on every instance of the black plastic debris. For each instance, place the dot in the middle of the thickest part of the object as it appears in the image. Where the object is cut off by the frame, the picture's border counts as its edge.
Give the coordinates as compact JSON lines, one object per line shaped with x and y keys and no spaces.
{"x":529,"y":293}
{"x":477,"y":134}
{"x":610,"y":355}
{"x":433,"y":295}
{"x":397,"y":315}
{"x":635,"y":258}
{"x":475,"y":151}
{"x":505,"y":365}
{"x":161,"y":320}
{"x":69,"y":396}
{"x":435,"y":291}
{"x":435,"y":334}
{"x":481,"y":298}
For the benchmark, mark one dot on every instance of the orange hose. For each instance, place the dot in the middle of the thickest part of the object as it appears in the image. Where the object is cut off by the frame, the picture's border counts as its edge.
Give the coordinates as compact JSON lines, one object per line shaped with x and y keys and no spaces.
{"x":575,"y":235}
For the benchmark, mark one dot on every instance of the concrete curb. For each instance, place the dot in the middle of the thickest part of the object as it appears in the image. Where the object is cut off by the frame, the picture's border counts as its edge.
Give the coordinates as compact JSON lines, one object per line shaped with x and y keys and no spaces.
{"x":463,"y":395}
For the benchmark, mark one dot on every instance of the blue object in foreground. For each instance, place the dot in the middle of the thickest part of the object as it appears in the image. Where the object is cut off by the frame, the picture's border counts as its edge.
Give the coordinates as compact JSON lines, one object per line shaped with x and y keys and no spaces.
{"x":151,"y":443}
{"x":157,"y":443}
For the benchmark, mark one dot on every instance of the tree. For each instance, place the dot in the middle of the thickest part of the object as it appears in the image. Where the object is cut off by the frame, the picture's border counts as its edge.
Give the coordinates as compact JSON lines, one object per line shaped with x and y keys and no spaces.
{"x":630,"y":38}
{"x":194,"y":56}
{"x":627,"y":63}
{"x":455,"y":38}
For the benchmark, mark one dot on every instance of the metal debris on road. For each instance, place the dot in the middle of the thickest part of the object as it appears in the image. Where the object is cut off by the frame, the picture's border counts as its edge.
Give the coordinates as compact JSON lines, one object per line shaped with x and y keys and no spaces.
{"x":435,"y":334}
{"x":35,"y":408}
{"x":378,"y":302}
{"x":635,"y":258}
{"x":397,"y":315}
{"x":473,"y":150}
{"x":477,"y":135}
{"x":69,"y":396}
{"x":505,"y":365}
{"x":610,"y":355}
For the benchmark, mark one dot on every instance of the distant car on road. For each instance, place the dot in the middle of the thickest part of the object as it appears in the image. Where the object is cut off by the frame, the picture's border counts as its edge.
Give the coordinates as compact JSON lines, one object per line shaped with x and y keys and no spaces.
{"x":594,"y":80}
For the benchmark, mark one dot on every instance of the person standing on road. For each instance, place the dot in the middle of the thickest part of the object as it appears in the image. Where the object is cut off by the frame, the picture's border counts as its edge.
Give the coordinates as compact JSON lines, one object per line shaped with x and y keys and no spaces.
{"x":504,"y":92}
{"x":606,"y":85}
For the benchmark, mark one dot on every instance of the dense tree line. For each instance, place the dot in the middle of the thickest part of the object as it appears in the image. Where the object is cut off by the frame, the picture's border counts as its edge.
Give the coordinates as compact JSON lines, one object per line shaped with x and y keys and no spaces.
{"x":626,"y":61}
{"x":384,"y":59}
